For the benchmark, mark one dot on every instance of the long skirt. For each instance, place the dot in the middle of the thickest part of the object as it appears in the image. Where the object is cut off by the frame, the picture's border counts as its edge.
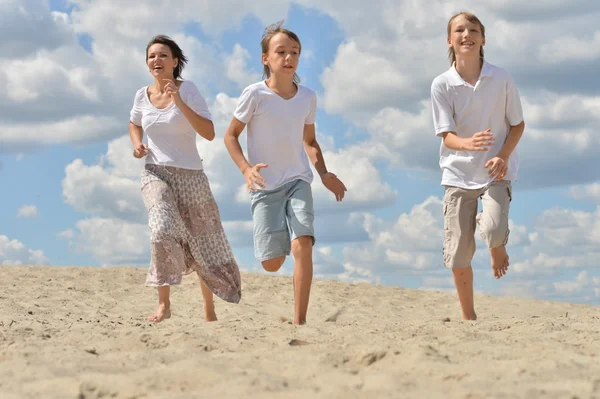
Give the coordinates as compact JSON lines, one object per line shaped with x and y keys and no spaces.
{"x":186,"y":231}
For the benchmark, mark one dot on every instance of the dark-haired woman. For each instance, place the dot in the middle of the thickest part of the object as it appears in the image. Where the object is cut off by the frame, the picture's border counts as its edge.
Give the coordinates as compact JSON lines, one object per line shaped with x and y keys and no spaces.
{"x":185,"y":225}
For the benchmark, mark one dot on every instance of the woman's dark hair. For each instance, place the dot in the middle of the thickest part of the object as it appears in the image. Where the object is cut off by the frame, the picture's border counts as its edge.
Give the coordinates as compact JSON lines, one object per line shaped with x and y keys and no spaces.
{"x":176,"y":52}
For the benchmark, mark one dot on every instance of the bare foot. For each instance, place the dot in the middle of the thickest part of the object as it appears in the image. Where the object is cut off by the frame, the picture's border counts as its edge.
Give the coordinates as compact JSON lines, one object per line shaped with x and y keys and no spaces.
{"x":209,"y":314}
{"x":161,"y":314}
{"x":471,"y":317}
{"x":499,"y":261}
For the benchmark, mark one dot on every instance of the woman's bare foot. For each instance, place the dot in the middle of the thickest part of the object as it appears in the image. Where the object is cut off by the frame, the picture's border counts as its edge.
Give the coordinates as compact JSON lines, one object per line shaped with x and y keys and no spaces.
{"x":499,"y":261}
{"x":163,"y":312}
{"x":471,"y":316}
{"x":209,"y":313}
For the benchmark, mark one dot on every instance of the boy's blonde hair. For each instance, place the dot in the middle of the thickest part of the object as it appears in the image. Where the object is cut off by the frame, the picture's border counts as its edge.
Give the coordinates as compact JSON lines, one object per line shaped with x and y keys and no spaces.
{"x":474,"y":20}
{"x":271,"y":31}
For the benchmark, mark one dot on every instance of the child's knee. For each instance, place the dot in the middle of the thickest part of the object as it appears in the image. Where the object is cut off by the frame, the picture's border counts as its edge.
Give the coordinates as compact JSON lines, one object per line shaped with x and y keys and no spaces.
{"x":495,"y":236}
{"x":273,"y":265}
{"x":301,"y":244}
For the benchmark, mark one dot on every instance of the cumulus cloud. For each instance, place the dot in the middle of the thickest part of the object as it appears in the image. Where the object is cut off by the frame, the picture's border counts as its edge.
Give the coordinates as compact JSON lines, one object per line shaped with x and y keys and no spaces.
{"x":111,"y":241}
{"x":30,"y":25}
{"x":27,"y":211}
{"x":236,"y":65}
{"x":15,"y":253}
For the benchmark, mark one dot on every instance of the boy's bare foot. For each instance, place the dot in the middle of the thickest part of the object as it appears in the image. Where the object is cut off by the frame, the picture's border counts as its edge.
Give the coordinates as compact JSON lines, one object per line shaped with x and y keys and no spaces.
{"x":499,"y":261}
{"x":209,"y":314}
{"x":163,"y":312}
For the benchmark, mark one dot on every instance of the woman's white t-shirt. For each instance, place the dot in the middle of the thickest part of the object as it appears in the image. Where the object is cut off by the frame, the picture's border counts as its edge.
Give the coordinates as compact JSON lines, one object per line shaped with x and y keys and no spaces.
{"x":276,"y":132}
{"x":171,"y":137}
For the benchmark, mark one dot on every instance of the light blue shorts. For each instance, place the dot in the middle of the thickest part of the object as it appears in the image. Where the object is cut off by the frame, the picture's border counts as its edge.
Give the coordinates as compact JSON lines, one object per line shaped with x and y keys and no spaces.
{"x":280,"y":216}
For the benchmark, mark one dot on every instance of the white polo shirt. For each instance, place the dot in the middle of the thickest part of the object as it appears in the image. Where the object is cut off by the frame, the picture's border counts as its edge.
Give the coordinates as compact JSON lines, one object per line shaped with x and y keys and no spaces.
{"x":493,"y":103}
{"x":276,"y":132}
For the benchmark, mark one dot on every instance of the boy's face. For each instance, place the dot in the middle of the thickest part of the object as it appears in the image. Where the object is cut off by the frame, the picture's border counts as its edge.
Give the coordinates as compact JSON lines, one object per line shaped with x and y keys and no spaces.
{"x":283,"y":55}
{"x":465,"y":37}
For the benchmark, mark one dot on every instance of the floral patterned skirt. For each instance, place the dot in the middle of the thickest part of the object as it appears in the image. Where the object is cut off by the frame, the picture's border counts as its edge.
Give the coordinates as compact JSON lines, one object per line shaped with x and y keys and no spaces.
{"x":186,"y":231}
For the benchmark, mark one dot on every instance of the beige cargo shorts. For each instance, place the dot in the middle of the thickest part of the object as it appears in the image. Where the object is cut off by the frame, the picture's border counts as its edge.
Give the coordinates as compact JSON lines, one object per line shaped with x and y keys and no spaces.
{"x":461,"y":219}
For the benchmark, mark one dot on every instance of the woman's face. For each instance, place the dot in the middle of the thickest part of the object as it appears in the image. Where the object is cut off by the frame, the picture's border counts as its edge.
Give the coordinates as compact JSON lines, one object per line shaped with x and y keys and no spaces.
{"x":160,"y":61}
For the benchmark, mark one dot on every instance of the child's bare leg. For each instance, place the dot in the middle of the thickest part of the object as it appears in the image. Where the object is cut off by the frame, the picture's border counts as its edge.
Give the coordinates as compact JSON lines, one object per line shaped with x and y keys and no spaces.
{"x":493,"y":223}
{"x":164,"y":305}
{"x":463,"y":279}
{"x":273,"y":265}
{"x":209,"y":304}
{"x":303,"y":273}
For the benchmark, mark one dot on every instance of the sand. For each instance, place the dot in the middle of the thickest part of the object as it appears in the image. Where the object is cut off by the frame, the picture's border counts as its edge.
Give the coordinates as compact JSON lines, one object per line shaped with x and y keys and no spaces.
{"x":80,"y":332}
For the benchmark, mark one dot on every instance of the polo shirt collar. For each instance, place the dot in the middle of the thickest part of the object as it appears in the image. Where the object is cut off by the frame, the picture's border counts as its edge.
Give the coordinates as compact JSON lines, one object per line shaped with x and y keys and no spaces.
{"x":454,"y":79}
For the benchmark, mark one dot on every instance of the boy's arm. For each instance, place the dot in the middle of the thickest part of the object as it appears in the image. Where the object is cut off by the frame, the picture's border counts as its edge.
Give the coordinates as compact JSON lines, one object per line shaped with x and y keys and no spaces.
{"x":480,"y":141}
{"x":499,"y":164}
{"x":313,"y":150}
{"x":232,"y":143}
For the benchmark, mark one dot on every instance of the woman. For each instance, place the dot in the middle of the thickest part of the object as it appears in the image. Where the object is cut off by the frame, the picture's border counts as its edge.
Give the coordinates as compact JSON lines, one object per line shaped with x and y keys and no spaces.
{"x":186,"y":230}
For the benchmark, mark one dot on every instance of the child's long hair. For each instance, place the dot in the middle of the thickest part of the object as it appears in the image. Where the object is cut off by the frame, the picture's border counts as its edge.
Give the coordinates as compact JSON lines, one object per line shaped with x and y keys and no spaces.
{"x":474,"y":20}
{"x":271,"y":31}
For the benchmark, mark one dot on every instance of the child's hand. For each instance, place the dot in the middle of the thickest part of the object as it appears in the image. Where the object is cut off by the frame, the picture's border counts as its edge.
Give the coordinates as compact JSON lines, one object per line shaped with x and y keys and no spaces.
{"x":335,"y":185}
{"x":253,"y":177}
{"x":480,"y":141}
{"x":140,"y":150}
{"x":498,"y":168}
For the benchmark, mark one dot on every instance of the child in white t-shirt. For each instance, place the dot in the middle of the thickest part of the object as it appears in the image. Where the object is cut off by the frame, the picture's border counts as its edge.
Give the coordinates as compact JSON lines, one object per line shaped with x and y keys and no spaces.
{"x":477,"y":112}
{"x":280,"y":115}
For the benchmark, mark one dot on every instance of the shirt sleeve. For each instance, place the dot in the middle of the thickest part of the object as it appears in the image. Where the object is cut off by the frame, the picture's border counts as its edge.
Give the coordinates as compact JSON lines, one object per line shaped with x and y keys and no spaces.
{"x":196,"y":102}
{"x":246,"y":106}
{"x":514,"y":111}
{"x":443,"y":116}
{"x":312,"y":115}
{"x":135,"y":115}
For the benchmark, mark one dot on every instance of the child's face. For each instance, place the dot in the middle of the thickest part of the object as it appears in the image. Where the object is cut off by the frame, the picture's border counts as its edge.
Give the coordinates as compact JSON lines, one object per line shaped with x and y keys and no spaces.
{"x":465,"y":37}
{"x":283,"y":55}
{"x":160,"y":60}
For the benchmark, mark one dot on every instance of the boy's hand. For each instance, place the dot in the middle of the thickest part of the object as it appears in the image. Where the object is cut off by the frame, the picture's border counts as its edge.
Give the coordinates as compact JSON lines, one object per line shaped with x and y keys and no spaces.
{"x":497,"y":167}
{"x":480,"y":141}
{"x":335,"y":185}
{"x":253,"y":177}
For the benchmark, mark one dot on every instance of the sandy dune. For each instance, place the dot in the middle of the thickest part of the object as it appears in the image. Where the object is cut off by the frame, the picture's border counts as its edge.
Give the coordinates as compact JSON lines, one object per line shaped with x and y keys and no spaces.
{"x":80,"y":332}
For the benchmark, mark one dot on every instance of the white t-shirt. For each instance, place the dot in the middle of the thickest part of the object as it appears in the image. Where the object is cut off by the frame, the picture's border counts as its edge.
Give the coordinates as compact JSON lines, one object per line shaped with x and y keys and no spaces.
{"x":171,"y":137}
{"x":493,"y":103}
{"x":276,"y":132}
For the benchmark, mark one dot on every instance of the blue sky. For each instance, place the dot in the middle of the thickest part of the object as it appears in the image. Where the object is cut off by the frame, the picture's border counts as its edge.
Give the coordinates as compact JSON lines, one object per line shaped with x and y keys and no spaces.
{"x":70,"y":70}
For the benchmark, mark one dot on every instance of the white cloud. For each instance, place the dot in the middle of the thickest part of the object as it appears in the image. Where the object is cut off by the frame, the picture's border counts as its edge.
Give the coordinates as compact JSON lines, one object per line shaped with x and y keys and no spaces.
{"x":111,"y":241}
{"x":588,"y":193}
{"x":412,"y":242}
{"x":27,"y":211}
{"x":84,"y":128}
{"x":353,"y":165}
{"x":577,"y":50}
{"x":28,"y":25}
{"x":14,"y":253}
{"x":237,"y":68}
{"x":92,"y":189}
